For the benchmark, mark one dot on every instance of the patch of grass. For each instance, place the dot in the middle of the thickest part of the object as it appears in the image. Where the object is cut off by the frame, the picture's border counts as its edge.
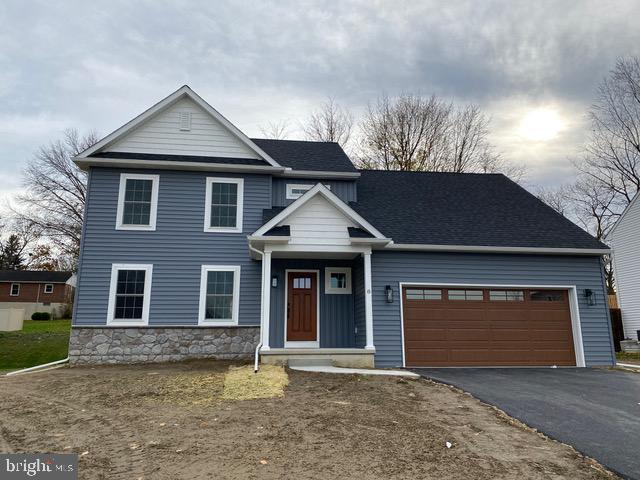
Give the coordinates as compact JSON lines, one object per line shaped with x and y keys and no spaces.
{"x":243,"y":384}
{"x":37,"y":343}
{"x":633,"y":357}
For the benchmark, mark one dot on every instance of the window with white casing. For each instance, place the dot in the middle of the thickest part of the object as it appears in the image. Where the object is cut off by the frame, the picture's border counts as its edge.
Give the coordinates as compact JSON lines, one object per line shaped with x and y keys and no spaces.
{"x":48,"y":288}
{"x":15,"y":289}
{"x":224,"y":204}
{"x":130,"y":294}
{"x":295,"y":191}
{"x":337,"y":280}
{"x":219,"y":295}
{"x":137,"y":202}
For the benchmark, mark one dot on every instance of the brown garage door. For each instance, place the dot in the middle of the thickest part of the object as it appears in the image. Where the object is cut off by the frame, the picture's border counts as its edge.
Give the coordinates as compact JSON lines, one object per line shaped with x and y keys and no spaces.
{"x":486,"y":326}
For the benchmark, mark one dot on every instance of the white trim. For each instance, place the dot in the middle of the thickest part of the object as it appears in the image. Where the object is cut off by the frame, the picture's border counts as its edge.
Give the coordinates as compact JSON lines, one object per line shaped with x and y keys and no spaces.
{"x":368,"y":302}
{"x":11,"y":294}
{"x":328,"y":289}
{"x":84,"y":163}
{"x":294,"y":344}
{"x":266,"y":300}
{"x":235,"y":307}
{"x":239,"y":205}
{"x":184,"y":91}
{"x":115,"y":268}
{"x":48,"y":285}
{"x":155,"y":182}
{"x":491,"y":249}
{"x":574,"y":309}
{"x":319,"y":189}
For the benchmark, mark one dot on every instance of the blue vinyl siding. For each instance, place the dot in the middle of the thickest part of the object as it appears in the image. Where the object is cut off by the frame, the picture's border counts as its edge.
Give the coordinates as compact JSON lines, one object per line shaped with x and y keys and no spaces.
{"x":177,"y":248}
{"x":358,"y":300}
{"x":336,"y":311}
{"x":344,"y":189}
{"x":391,"y":268}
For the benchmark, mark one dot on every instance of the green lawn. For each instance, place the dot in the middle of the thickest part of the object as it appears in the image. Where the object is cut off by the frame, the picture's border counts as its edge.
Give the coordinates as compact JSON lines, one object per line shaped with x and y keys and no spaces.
{"x":39,"y":342}
{"x":631,"y":357}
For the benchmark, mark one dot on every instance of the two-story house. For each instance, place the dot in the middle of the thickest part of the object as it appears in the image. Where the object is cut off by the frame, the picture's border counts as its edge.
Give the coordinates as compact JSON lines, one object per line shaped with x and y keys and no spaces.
{"x":201,"y":242}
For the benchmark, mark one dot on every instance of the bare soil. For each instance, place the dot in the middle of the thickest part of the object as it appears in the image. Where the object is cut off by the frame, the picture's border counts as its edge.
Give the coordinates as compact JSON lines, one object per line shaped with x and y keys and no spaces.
{"x":170,"y":422}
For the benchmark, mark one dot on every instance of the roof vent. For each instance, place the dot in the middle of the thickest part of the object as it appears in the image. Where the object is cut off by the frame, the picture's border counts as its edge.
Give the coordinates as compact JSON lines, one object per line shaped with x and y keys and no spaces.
{"x":185,"y":121}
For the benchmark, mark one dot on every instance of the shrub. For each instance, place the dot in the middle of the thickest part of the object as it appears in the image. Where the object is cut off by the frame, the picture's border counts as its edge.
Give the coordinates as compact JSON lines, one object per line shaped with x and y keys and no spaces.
{"x":41,"y":316}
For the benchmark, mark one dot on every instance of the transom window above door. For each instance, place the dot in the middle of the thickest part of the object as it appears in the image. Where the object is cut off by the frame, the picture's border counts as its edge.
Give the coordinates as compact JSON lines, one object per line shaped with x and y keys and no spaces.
{"x":224,"y":203}
{"x":137,"y":202}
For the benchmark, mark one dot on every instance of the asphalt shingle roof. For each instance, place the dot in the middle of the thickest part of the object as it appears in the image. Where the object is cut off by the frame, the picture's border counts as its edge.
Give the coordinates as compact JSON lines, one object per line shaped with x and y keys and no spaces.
{"x":463,"y":209}
{"x":303,"y":155}
{"x":34,"y":276}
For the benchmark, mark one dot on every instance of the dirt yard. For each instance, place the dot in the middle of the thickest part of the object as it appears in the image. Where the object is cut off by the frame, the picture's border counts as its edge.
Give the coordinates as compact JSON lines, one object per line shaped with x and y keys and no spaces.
{"x":170,"y":422}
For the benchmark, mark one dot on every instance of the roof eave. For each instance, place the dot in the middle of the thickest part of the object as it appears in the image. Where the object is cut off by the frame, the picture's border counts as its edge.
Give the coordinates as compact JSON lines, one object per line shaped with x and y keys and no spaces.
{"x":290,"y":173}
{"x":499,"y":249}
{"x":85,"y":162}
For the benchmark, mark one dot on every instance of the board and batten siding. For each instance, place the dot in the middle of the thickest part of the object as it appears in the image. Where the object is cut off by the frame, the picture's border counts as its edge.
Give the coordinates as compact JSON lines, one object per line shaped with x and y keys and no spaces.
{"x":319,"y":223}
{"x":162,"y":135}
{"x":345,"y":190}
{"x":177,"y":248}
{"x":391,"y":268}
{"x":336,"y":311}
{"x":625,"y":240}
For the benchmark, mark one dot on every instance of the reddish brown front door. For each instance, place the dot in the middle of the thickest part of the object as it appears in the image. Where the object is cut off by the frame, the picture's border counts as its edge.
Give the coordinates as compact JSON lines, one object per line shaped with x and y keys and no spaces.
{"x":486,"y":327}
{"x":302,"y":307}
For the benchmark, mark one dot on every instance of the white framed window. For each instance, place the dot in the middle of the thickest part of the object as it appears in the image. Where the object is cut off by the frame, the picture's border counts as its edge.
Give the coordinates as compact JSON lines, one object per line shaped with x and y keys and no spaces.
{"x":48,"y":288}
{"x":219,"y":295}
{"x":15,"y":289}
{"x":223,"y":205}
{"x":295,"y":191}
{"x":129,"y":294}
{"x":137,"y":202}
{"x":337,"y":280}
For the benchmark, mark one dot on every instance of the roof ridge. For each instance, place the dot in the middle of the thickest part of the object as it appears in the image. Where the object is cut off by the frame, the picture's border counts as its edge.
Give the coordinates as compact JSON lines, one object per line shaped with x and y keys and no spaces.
{"x":497,"y":174}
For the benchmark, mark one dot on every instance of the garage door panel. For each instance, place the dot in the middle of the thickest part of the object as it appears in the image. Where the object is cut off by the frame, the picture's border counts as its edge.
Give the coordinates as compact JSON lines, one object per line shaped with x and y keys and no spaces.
{"x":489,"y":332}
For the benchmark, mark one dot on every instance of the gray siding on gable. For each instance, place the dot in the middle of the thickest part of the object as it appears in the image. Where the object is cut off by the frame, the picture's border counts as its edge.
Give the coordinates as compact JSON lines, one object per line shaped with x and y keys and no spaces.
{"x":345,"y":190}
{"x":336,"y":311}
{"x":177,"y":248}
{"x":391,"y":268}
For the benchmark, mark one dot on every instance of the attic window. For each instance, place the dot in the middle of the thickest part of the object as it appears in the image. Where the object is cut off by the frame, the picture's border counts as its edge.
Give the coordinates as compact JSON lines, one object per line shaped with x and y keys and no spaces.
{"x":295,"y":191}
{"x":185,"y":121}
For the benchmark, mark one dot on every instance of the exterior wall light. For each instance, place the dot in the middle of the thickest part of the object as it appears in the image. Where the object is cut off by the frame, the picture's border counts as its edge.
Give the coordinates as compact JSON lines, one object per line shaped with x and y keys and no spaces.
{"x":388,"y":293}
{"x":274,"y":282}
{"x":590,"y":295}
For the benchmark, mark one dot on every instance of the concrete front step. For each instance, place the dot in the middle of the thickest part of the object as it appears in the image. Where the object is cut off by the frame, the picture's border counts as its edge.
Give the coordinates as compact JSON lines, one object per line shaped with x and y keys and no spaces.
{"x":310,"y":362}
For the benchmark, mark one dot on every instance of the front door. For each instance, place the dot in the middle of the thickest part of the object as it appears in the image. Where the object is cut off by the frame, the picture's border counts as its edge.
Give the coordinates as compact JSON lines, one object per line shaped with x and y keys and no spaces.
{"x":302,"y":306}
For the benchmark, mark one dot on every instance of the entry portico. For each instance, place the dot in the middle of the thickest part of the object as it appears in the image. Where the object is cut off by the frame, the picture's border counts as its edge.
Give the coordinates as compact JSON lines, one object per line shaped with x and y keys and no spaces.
{"x":316,"y":281}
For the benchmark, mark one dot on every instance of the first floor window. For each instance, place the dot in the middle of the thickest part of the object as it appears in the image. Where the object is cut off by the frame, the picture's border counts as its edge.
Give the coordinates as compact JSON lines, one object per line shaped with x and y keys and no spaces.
{"x":137,"y":202}
{"x":130,"y":294}
{"x":48,"y":288}
{"x":219,"y":294}
{"x":15,"y":289}
{"x":337,"y":280}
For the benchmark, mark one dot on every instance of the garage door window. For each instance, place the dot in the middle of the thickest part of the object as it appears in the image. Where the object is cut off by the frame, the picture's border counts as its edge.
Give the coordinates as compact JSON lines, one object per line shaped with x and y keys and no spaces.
{"x":423,"y":294}
{"x":474,"y":295}
{"x":506,"y":295}
{"x":546,"y":295}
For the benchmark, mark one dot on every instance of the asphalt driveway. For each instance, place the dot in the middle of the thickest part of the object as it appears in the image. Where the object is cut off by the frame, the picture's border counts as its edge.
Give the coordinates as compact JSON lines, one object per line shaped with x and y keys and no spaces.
{"x":597,"y":411}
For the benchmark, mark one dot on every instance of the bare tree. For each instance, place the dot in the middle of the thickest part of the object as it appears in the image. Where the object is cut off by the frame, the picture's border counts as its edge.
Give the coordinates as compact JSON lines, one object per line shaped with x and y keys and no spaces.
{"x":276,"y":130}
{"x":56,"y":190}
{"x":556,"y":198}
{"x":331,"y":123}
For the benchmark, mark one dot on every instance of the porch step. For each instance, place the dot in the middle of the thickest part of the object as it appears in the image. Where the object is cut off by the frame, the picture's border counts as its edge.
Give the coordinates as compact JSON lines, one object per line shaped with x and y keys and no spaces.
{"x":310,"y":362}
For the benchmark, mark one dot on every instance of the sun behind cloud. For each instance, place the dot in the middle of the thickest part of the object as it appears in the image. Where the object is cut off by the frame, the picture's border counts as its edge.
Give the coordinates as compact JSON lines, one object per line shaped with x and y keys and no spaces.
{"x":541,"y":124}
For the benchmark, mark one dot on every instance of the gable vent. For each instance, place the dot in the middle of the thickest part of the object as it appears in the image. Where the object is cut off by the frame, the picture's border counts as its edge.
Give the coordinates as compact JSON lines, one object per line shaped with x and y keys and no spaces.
{"x":185,"y":121}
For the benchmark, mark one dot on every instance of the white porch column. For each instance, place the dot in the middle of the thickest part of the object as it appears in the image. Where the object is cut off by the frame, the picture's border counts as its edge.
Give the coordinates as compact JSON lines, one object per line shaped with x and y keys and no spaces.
{"x":266,"y":298}
{"x":368,"y":304}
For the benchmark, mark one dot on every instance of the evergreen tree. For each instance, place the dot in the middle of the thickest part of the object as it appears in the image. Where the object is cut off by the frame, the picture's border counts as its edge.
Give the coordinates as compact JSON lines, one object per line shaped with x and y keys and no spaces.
{"x":11,"y":254}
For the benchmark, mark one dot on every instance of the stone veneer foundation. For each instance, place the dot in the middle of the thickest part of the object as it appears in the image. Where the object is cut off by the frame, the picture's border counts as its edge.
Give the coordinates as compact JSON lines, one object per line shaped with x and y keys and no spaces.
{"x":90,"y":345}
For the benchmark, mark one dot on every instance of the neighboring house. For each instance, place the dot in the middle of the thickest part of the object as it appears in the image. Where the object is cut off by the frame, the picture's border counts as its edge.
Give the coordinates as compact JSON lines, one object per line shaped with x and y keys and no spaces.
{"x":201,"y":242}
{"x":625,"y":241}
{"x":37,"y":291}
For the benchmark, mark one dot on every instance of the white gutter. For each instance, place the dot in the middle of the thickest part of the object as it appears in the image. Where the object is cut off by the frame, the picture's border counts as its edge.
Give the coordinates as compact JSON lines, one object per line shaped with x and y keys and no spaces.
{"x":38,"y":367}
{"x":491,"y":249}
{"x":256,"y":363}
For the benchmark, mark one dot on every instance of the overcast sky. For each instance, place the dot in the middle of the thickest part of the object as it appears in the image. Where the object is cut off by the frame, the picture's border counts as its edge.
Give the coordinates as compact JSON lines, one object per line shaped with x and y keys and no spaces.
{"x":532,"y":65}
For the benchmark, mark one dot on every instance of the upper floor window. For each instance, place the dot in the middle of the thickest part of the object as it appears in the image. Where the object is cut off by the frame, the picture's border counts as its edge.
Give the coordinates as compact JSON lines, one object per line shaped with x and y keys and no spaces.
{"x":137,"y":202}
{"x":48,"y":288}
{"x":15,"y":289}
{"x":224,"y":202}
{"x":295,"y":191}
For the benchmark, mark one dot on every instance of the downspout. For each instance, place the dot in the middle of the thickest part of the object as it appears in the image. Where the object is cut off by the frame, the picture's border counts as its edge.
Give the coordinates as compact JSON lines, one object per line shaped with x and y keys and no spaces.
{"x":256,"y":364}
{"x":44,"y":366}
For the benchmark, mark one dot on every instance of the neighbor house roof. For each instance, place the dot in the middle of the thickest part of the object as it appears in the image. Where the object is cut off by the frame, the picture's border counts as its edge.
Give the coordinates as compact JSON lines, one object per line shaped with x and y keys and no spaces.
{"x":35,"y":276}
{"x":304,"y":155}
{"x":430,"y":208}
